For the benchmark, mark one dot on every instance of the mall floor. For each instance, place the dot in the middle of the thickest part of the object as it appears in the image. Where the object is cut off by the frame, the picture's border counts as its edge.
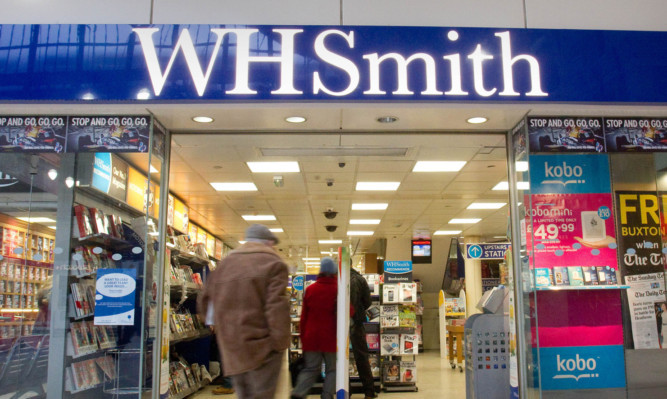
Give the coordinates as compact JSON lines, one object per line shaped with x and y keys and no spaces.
{"x":436,"y":379}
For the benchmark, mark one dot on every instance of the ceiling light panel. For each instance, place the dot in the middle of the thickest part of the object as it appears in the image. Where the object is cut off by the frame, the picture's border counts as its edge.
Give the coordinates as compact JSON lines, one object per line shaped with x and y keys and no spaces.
{"x":486,"y":205}
{"x":359,"y":233}
{"x":234,"y":186}
{"x":464,"y":221}
{"x":447,"y":232}
{"x":438,"y":166}
{"x":364,"y":221}
{"x":276,"y":230}
{"x":37,"y":220}
{"x":378,"y":186}
{"x":252,"y":218}
{"x":503,"y":185}
{"x":273,"y":167}
{"x":330,"y":241}
{"x":369,"y":207}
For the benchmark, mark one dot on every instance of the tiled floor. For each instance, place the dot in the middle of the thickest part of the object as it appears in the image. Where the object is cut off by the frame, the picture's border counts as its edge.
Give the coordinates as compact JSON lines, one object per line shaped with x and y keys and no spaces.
{"x":436,"y":379}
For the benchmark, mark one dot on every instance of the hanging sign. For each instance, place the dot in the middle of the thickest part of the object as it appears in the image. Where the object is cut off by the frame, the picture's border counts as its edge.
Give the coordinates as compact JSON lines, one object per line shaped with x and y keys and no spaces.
{"x":33,"y":133}
{"x":565,"y":134}
{"x":115,"y":297}
{"x":397,"y":271}
{"x":636,"y":134}
{"x":486,"y":251}
{"x":110,"y":175}
{"x":108,"y":133}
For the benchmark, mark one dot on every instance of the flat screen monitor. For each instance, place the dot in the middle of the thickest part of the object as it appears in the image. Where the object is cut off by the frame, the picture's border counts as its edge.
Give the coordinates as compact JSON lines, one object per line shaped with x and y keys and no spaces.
{"x":421,"y":251}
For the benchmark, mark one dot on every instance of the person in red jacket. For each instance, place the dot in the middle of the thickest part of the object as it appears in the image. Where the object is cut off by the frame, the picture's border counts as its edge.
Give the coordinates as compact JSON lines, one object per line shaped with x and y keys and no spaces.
{"x":318,"y":332}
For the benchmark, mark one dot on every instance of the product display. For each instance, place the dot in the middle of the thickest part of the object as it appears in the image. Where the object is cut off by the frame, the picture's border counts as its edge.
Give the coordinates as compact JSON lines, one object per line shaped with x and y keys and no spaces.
{"x":575,"y":276}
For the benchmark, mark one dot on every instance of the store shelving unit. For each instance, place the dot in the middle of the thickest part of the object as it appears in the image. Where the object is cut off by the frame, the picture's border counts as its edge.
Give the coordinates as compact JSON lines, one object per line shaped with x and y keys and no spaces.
{"x":25,"y":266}
{"x":398,"y":338}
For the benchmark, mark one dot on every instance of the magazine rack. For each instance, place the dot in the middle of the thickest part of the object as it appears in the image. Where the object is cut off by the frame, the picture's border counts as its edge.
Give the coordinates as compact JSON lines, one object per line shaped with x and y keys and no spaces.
{"x":487,"y":356}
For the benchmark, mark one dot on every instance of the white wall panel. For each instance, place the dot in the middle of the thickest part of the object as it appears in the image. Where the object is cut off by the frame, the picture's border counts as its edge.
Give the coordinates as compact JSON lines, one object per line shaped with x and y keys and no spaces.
{"x":597,"y":14}
{"x":75,"y":12}
{"x":253,"y":12}
{"x":463,"y":13}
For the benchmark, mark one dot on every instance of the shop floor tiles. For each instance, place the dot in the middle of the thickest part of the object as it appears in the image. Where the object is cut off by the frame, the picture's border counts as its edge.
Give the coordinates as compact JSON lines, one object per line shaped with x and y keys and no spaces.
{"x":436,"y":379}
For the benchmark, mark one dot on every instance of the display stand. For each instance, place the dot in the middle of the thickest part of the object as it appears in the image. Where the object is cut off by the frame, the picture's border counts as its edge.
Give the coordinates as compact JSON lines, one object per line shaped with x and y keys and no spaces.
{"x":399,"y":343}
{"x":487,"y":356}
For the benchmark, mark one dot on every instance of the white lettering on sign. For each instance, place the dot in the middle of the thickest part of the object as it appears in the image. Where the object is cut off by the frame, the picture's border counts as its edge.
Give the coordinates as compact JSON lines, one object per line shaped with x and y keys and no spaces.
{"x":481,"y":60}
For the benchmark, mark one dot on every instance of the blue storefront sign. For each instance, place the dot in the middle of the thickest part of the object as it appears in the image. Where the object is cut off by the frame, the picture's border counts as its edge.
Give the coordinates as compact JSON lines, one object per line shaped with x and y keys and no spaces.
{"x":486,"y":251}
{"x":582,"y":367}
{"x":569,"y":174}
{"x":397,"y":271}
{"x":348,"y":63}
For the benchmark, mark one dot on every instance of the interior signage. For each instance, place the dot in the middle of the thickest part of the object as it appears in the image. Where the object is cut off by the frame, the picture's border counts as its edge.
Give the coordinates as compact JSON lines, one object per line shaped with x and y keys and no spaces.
{"x":397,"y":271}
{"x":487,"y":251}
{"x":582,"y":367}
{"x":314,"y":63}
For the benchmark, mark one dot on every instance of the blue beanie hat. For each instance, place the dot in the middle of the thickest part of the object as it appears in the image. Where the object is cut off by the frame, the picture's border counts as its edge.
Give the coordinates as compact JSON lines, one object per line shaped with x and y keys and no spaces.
{"x":328,"y":266}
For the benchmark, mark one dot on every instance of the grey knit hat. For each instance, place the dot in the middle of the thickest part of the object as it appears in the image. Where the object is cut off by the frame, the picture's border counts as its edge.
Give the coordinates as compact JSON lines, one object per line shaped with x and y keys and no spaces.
{"x":260,"y":232}
{"x":328,"y":266}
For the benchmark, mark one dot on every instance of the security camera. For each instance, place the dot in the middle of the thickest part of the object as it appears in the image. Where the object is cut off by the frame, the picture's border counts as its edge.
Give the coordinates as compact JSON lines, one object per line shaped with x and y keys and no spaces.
{"x":330,"y":213}
{"x":341,"y":164}
{"x":330,"y":182}
{"x":331,"y":228}
{"x":278,"y":181}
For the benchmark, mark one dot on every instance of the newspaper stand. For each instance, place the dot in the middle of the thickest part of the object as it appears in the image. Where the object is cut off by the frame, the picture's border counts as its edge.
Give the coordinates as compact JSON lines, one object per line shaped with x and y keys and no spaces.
{"x":486,"y":338}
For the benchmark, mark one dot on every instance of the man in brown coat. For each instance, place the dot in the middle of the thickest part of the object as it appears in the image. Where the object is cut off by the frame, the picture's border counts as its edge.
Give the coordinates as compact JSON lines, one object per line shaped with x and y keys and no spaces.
{"x":248,"y":294}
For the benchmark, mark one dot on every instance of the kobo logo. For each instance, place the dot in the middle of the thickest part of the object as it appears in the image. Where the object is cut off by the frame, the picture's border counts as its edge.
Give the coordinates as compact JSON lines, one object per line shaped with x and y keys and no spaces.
{"x":564,"y":170}
{"x":584,"y":368}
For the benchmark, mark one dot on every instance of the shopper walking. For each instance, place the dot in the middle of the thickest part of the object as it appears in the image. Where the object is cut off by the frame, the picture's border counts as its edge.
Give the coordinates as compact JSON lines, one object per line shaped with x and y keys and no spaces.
{"x":360,"y":298}
{"x":248,"y":292}
{"x":318,"y":333}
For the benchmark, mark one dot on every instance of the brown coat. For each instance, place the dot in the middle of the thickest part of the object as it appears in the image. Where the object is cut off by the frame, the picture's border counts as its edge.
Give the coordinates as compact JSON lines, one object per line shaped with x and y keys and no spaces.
{"x":248,"y":291}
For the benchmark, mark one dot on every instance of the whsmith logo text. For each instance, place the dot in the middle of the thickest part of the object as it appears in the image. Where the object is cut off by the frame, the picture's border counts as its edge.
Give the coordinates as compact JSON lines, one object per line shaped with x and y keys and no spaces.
{"x":452,"y":74}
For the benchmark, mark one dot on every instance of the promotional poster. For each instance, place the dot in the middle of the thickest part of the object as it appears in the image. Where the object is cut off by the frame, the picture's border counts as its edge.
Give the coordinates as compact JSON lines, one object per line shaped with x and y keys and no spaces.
{"x":635,"y":134}
{"x":115,"y":297}
{"x":33,"y":133}
{"x":565,"y":134}
{"x":572,"y":230}
{"x":108,"y":133}
{"x":648,"y":310}
{"x":639,"y":232}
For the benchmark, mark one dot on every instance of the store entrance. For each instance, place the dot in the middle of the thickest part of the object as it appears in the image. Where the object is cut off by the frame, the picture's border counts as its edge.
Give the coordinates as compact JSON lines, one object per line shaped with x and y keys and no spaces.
{"x":372,"y":194}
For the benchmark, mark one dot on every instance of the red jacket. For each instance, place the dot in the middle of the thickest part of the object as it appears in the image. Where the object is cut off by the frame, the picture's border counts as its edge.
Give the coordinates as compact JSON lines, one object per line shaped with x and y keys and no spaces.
{"x":318,"y":315}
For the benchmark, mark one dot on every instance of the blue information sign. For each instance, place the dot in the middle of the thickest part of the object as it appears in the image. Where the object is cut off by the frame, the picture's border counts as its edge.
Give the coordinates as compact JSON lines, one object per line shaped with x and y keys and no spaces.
{"x":115,"y":291}
{"x":298,"y":283}
{"x":486,"y":251}
{"x":397,"y":271}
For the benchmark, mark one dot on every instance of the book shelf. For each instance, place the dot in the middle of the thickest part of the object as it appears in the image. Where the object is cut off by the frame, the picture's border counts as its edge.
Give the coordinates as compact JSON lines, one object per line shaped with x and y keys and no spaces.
{"x":26,"y":264}
{"x":102,"y":238}
{"x":399,"y":341}
{"x":188,"y":265}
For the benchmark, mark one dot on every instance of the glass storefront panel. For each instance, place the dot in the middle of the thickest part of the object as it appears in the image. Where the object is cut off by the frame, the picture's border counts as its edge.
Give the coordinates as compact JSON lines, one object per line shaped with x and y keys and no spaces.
{"x":78,"y":261}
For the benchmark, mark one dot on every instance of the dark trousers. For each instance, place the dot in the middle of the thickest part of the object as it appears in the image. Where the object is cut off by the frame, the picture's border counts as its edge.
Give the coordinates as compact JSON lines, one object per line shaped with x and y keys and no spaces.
{"x":360,"y":351}
{"x":261,"y":382}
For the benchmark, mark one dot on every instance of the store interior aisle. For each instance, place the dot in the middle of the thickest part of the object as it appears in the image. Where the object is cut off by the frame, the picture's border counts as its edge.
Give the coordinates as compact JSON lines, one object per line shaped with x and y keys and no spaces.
{"x":436,"y":379}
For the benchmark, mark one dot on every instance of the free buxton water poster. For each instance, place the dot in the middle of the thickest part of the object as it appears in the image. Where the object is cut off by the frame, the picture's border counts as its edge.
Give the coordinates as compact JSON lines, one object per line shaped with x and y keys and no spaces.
{"x":115,"y":297}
